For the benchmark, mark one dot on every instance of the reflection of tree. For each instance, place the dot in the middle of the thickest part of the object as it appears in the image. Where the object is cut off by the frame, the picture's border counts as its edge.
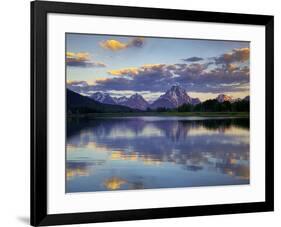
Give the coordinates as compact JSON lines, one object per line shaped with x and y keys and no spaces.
{"x":174,"y":142}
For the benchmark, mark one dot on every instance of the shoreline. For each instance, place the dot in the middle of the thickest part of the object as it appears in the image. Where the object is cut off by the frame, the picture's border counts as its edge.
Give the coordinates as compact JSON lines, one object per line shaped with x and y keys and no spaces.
{"x":164,"y":114}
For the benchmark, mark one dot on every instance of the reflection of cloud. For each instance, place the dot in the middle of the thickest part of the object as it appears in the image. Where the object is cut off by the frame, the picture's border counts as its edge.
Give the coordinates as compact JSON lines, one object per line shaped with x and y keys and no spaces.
{"x":72,"y":145}
{"x":234,"y":169}
{"x":121,"y":155}
{"x":81,"y":59}
{"x":150,"y":160}
{"x":114,"y":183}
{"x":77,"y":170}
{"x":220,"y":143}
{"x":136,"y":185}
{"x":134,"y":156}
{"x":115,"y":45}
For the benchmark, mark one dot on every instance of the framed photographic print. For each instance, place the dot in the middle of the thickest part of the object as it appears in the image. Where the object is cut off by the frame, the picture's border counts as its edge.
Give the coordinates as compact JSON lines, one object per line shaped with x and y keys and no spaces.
{"x":143,"y":113}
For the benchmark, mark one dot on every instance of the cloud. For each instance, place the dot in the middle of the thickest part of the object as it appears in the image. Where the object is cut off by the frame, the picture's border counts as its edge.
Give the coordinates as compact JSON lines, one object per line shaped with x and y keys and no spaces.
{"x":81,"y":59}
{"x":194,"y":77}
{"x":193,"y":59}
{"x":210,"y":77}
{"x":76,"y":83}
{"x":236,"y":55}
{"x":115,"y":45}
{"x":78,"y":86}
{"x":133,"y":71}
{"x":125,"y":71}
{"x":136,"y":42}
{"x":231,"y":67}
{"x":192,"y":69}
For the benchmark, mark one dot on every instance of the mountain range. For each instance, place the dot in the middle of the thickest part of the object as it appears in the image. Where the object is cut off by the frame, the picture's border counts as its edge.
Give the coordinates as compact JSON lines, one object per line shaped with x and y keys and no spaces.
{"x":224,"y":98}
{"x":174,"y":97}
{"x":77,"y":103}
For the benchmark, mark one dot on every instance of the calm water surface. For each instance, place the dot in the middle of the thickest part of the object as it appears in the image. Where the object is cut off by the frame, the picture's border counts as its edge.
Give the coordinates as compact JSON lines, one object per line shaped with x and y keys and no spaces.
{"x":156,"y":152}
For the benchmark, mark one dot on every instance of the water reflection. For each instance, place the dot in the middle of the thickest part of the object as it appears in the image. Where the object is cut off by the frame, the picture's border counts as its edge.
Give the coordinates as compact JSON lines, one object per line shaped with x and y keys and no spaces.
{"x":156,"y":152}
{"x":75,"y":169}
{"x":114,"y":183}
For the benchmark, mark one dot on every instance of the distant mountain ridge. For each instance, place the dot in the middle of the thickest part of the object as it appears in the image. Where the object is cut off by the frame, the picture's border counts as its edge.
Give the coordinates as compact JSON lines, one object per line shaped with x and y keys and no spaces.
{"x":77,"y":103}
{"x":227,"y":98}
{"x":135,"y":101}
{"x":121,"y":100}
{"x":175,"y":97}
{"x":103,"y":98}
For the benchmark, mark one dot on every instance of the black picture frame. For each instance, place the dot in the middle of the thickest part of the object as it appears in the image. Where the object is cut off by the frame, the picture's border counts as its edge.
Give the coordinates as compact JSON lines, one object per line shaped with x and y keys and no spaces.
{"x":39,"y":11}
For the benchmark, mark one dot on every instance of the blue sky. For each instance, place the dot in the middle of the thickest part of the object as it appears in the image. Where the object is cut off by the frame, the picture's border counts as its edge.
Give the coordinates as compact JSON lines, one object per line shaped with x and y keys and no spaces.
{"x":123,"y":65}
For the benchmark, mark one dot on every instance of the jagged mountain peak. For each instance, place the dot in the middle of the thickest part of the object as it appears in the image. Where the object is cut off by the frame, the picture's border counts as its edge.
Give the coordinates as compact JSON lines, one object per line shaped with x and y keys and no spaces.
{"x":121,"y":99}
{"x":136,"y":101}
{"x":102,"y":98}
{"x":224,"y":98}
{"x":174,"y":97}
{"x":177,"y":88}
{"x":136,"y":95}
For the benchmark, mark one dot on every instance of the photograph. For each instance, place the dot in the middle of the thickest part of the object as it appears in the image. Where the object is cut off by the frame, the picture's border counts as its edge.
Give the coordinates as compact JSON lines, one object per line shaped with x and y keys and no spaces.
{"x":156,"y":112}
{"x":143,"y":113}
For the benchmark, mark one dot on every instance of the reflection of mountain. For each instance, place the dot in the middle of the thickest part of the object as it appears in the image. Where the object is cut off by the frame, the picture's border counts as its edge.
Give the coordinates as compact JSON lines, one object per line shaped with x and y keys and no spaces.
{"x":221,"y":144}
{"x":173,"y":129}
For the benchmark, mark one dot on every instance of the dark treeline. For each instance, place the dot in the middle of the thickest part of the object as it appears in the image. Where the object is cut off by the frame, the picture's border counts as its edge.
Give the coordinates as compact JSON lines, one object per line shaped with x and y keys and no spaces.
{"x":211,"y":105}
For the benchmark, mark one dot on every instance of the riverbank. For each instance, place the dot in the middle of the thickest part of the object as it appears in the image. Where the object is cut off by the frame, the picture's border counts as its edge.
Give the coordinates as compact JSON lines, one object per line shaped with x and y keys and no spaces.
{"x":164,"y":114}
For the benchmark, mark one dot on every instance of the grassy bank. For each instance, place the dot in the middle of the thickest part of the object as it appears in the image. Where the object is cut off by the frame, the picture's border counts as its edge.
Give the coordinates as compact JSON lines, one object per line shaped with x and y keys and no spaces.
{"x":166,"y":114}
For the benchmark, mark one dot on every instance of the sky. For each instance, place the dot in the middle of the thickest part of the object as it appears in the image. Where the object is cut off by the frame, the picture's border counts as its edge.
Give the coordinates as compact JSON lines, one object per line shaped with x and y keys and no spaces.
{"x":125,"y":65}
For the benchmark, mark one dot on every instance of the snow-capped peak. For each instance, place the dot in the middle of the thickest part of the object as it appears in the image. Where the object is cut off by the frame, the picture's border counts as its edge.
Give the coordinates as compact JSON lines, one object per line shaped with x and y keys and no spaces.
{"x":121,"y":100}
{"x":174,"y":97}
{"x":136,"y":101}
{"x":177,"y":95}
{"x":103,"y":98}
